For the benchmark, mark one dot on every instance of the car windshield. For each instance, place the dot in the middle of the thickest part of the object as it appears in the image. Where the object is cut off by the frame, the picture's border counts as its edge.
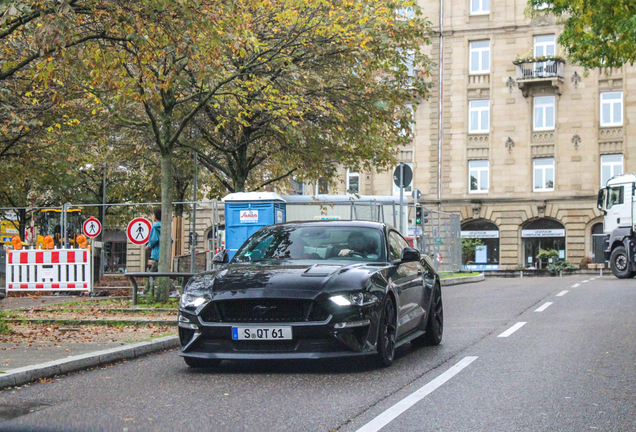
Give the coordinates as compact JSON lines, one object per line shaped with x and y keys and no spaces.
{"x":313,"y":243}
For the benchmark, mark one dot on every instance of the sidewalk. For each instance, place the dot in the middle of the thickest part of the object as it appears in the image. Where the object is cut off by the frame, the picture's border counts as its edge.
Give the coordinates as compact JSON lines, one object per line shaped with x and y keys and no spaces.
{"x":35,"y":351}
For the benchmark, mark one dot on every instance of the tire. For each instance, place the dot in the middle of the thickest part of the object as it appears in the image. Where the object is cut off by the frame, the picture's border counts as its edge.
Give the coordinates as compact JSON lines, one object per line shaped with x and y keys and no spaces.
{"x":199,"y":363}
{"x":435,"y":322}
{"x":387,"y":334}
{"x":619,"y":263}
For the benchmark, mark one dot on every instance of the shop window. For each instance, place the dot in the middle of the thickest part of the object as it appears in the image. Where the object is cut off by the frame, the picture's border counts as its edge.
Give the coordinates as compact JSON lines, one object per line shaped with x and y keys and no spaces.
{"x":611,"y":165}
{"x":542,"y":234}
{"x":480,"y":245}
{"x":611,"y":109}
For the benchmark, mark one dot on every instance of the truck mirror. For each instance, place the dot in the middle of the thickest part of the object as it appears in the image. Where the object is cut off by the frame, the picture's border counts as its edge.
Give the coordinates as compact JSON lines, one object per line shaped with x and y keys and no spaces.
{"x":600,"y":200}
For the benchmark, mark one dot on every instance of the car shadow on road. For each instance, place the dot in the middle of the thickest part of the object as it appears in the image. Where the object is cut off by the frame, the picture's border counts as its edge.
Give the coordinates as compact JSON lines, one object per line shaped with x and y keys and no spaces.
{"x":345,"y":365}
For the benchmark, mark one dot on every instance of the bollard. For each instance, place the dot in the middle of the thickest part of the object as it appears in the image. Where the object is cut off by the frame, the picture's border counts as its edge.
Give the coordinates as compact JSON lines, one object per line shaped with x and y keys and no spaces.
{"x":560,"y":273}
{"x":521,"y":274}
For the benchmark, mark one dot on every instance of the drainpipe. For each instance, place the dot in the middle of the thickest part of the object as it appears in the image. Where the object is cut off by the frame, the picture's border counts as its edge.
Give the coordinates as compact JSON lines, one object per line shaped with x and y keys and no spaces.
{"x":440,"y":104}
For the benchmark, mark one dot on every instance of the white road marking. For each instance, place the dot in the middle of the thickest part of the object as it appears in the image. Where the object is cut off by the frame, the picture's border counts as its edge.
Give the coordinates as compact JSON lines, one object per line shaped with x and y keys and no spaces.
{"x":562,"y":293}
{"x":593,"y":279}
{"x":512,"y":329}
{"x":576,"y":285}
{"x":543,"y":307}
{"x":391,"y":414}
{"x":585,"y":281}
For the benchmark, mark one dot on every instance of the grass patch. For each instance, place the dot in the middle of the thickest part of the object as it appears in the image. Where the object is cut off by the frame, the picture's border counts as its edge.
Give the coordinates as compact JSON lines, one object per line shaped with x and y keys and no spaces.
{"x":457,"y":275}
{"x":5,"y":328}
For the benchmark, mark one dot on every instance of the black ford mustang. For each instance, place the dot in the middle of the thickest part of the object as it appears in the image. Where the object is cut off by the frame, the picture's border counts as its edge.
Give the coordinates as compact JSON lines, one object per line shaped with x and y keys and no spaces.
{"x":307,"y":290}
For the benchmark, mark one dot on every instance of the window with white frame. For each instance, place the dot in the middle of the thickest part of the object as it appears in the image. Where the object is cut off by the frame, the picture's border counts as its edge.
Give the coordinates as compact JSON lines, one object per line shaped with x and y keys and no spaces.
{"x":353,"y":182}
{"x":541,"y":6}
{"x":478,"y":176}
{"x":543,"y":174}
{"x":479,"y":7}
{"x":479,"y":116}
{"x":612,"y":108}
{"x":396,"y":189}
{"x":611,"y":165}
{"x":480,"y":57}
{"x":545,"y":46}
{"x":543,"y":113}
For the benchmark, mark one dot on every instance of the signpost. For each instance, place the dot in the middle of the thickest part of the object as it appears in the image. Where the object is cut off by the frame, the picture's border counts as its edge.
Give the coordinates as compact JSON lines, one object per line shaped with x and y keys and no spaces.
{"x":92,"y":227}
{"x":138,"y":231}
{"x":402,"y":177}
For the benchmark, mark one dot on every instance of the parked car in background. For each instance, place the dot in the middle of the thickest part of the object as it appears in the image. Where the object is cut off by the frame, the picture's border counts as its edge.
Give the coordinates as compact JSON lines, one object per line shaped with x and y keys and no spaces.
{"x":309,"y":290}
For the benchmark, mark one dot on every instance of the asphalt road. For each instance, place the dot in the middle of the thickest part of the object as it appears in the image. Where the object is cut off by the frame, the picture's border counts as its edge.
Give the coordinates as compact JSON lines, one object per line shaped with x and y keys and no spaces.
{"x":570,"y":367}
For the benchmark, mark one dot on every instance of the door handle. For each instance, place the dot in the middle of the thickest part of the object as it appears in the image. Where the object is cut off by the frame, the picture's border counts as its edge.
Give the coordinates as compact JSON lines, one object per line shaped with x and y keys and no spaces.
{"x":618,"y":220}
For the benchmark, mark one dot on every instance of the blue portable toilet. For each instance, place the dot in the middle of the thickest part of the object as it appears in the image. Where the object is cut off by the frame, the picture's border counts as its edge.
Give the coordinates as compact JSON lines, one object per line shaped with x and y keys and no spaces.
{"x":247,"y":212}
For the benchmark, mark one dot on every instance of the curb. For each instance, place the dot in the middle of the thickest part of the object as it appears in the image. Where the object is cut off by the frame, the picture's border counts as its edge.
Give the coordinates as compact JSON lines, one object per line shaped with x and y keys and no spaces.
{"x":462,"y":280}
{"x":171,"y":322}
{"x":26,"y":374}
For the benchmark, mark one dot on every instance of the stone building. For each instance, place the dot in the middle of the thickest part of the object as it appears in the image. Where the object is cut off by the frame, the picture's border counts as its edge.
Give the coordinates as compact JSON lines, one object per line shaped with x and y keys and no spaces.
{"x":525,"y":146}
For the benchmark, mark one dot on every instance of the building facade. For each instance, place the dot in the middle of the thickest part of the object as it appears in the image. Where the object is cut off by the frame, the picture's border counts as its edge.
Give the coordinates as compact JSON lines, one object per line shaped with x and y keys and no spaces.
{"x":527,"y":139}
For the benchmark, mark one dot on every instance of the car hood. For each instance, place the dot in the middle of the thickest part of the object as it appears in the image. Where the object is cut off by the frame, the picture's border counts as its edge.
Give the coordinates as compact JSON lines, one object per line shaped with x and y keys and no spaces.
{"x":296,"y":279}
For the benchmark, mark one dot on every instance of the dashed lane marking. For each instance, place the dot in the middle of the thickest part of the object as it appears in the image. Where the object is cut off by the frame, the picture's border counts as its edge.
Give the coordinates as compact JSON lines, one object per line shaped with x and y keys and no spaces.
{"x":391,"y":414}
{"x":562,"y":293}
{"x":576,"y":285}
{"x":543,"y":307}
{"x":512,"y":329}
{"x":585,"y":281}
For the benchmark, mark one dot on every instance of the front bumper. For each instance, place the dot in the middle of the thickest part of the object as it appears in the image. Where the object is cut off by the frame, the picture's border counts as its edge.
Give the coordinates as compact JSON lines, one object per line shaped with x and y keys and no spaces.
{"x":330,"y":338}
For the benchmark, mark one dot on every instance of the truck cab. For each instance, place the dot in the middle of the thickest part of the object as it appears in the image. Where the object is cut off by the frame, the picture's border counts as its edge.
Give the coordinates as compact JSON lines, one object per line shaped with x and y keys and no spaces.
{"x":616,"y":201}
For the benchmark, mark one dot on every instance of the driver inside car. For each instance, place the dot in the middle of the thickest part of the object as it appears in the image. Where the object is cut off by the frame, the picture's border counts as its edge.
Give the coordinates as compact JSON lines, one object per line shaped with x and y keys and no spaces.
{"x":357,"y":244}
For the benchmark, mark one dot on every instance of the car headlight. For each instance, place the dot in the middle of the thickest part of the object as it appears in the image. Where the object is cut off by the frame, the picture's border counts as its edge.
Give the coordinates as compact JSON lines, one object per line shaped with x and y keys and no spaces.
{"x":191,"y":301}
{"x":356,"y":299}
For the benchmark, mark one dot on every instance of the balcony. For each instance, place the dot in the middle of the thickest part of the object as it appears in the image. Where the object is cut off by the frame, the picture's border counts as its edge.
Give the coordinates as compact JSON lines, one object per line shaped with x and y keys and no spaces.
{"x":533,"y":75}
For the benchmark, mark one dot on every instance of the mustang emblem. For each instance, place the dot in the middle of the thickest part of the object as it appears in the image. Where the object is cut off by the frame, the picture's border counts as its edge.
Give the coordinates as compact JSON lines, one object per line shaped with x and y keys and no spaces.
{"x":262,"y":310}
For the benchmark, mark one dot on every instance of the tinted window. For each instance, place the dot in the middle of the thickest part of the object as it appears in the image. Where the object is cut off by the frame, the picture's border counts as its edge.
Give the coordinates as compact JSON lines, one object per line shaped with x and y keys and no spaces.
{"x":396,"y":244}
{"x":313,"y":243}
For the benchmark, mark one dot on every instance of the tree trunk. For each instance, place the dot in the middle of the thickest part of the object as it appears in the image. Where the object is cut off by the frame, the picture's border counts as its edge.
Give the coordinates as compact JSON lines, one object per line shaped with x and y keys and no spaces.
{"x":165,"y":246}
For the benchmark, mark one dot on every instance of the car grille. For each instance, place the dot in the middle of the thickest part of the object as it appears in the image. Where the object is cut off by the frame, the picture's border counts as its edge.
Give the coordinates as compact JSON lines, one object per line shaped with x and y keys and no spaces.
{"x":263,"y":311}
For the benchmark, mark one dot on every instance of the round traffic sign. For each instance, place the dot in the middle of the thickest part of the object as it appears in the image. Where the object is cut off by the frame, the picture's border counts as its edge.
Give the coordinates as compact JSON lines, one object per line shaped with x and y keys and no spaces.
{"x":138,"y":231}
{"x":408,"y":176}
{"x":92,"y":227}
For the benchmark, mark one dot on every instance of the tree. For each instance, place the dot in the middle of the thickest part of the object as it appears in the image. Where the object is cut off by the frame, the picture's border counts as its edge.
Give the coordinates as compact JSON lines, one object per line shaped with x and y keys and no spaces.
{"x":328,"y":98}
{"x":165,"y":62}
{"x":596,"y":33}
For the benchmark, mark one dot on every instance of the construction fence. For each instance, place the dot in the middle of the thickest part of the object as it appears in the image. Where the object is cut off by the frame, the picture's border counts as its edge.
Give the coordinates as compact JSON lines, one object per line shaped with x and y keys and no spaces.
{"x":198,"y":229}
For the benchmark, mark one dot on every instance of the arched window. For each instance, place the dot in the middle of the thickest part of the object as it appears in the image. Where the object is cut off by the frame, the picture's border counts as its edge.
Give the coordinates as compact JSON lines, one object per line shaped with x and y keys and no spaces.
{"x":480,"y":245}
{"x":542,"y":234}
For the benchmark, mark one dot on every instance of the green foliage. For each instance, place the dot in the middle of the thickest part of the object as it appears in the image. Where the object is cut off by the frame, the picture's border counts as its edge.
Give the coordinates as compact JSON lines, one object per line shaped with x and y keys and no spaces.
{"x":547,"y":254}
{"x":468,"y":248}
{"x":596,"y":33}
{"x":556,"y":267}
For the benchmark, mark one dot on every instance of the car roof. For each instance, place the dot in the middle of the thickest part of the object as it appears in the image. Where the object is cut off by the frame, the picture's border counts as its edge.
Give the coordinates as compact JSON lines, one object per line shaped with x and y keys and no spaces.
{"x":344,"y":223}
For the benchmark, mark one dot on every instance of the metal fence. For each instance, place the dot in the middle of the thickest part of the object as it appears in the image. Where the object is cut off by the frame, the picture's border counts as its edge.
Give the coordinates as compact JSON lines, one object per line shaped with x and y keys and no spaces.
{"x":200,"y":230}
{"x":439,"y":236}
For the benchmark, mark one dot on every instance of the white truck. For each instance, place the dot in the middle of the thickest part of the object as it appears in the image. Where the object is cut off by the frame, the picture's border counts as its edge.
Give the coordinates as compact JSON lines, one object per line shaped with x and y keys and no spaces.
{"x":617,"y":201}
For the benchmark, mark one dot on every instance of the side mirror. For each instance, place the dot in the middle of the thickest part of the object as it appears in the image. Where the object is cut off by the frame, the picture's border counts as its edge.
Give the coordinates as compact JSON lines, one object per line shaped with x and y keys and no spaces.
{"x":600,"y":200}
{"x":220,"y":257}
{"x":408,"y":255}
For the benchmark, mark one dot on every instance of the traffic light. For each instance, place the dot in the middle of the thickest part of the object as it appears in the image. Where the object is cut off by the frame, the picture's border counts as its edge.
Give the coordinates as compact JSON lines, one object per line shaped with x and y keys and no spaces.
{"x":418,"y":214}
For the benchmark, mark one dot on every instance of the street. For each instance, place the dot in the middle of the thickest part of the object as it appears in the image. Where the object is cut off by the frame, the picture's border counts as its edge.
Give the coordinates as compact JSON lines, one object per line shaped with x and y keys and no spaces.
{"x":570,"y":367}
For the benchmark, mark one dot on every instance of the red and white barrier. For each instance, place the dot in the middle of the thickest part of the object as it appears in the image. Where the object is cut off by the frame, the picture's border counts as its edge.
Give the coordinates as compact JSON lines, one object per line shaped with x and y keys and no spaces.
{"x":49,"y":270}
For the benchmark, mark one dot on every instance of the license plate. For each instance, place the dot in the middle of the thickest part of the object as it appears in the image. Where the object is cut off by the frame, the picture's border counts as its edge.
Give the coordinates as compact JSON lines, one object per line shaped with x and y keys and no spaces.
{"x":261,"y":333}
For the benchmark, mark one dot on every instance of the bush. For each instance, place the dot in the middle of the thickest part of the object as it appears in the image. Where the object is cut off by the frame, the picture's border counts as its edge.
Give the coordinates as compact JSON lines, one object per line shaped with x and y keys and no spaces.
{"x":558,"y":266}
{"x":5,"y":328}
